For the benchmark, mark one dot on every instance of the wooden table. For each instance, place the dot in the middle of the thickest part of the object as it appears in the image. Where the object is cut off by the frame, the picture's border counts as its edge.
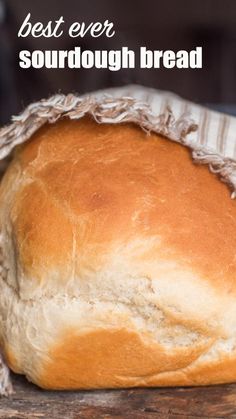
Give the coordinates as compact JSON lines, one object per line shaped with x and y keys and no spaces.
{"x":206,"y":402}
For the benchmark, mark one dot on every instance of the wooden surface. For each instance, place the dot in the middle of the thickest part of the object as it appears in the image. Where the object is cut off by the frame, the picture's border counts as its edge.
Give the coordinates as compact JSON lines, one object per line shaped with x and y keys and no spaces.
{"x":206,"y":402}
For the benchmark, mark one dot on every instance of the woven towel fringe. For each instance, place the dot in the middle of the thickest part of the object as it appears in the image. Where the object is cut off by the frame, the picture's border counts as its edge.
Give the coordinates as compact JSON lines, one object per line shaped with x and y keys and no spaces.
{"x":5,"y":382}
{"x":105,"y":110}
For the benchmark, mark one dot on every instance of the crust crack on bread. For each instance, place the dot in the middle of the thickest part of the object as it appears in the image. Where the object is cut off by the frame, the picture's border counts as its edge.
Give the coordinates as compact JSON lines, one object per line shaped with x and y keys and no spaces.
{"x":117,"y":261}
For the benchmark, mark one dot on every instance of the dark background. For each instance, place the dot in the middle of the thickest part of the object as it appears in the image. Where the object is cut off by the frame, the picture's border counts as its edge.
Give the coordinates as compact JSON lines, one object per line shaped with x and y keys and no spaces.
{"x":182,"y":24}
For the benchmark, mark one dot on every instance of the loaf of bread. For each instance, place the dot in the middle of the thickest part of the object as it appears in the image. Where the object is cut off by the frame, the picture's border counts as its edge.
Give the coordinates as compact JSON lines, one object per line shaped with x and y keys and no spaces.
{"x":118,"y":261}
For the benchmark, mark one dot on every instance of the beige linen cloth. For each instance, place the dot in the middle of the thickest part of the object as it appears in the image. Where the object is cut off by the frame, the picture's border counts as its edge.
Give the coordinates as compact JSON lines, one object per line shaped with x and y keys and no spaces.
{"x":210,"y":135}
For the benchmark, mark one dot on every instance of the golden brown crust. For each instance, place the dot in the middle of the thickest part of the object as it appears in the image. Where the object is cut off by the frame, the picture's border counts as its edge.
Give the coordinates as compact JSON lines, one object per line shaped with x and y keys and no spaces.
{"x":111,"y":358}
{"x":117,"y":183}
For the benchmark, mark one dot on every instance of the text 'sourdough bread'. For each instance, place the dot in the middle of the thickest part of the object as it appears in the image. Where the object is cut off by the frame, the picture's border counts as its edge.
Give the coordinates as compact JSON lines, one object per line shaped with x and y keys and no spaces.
{"x":119,"y":261}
